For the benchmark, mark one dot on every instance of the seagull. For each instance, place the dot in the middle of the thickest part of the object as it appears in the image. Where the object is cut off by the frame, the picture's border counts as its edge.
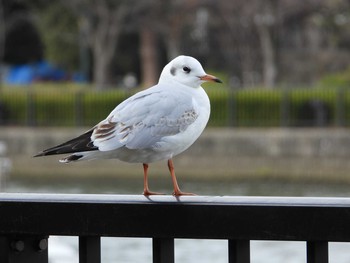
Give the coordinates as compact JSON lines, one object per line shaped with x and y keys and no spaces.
{"x":155,"y":124}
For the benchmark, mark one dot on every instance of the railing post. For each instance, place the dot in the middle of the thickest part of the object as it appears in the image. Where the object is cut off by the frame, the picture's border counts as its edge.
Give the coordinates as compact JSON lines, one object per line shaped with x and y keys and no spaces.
{"x":79,"y":113}
{"x":24,"y":249}
{"x":285,"y":109}
{"x":89,"y":249}
{"x":340,"y":108}
{"x":239,"y":251}
{"x":317,"y":252}
{"x":31,"y":110}
{"x":232,"y":115}
{"x":163,"y":250}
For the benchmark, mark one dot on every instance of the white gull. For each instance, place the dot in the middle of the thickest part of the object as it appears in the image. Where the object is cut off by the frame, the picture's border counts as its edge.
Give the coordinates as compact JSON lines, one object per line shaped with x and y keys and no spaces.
{"x":155,"y":124}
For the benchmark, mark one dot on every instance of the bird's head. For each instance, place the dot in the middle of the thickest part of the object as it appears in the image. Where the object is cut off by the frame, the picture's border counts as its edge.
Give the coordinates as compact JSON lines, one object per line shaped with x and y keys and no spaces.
{"x":186,"y":70}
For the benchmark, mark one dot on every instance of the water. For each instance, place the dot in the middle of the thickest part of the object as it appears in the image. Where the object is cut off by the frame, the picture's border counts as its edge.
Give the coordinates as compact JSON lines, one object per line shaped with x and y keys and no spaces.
{"x":129,"y":250}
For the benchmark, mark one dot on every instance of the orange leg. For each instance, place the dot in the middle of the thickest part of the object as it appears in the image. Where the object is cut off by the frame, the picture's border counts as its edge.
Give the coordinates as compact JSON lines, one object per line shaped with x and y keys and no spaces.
{"x":177,"y":191}
{"x":146,"y":190}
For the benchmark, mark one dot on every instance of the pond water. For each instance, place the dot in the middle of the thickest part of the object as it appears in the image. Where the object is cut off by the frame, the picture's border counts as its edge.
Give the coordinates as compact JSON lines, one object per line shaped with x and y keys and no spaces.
{"x":65,"y":249}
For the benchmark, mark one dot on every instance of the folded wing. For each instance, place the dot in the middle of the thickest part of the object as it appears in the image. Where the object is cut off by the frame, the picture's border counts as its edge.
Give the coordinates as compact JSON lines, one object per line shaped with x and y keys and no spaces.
{"x":144,"y":120}
{"x":137,"y":123}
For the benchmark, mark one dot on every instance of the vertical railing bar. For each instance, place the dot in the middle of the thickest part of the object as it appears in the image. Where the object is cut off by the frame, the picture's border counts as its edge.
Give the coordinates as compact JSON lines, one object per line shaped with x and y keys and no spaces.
{"x":78,"y":103}
{"x":238,"y":251}
{"x":285,"y":109}
{"x":340,"y":108}
{"x":90,"y":249}
{"x":31,"y":110}
{"x":163,"y":250}
{"x":317,"y":251}
{"x":231,"y":118}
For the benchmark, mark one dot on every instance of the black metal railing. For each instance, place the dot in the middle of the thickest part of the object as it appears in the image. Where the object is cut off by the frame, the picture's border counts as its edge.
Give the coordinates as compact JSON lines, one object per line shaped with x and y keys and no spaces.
{"x":27,"y":220}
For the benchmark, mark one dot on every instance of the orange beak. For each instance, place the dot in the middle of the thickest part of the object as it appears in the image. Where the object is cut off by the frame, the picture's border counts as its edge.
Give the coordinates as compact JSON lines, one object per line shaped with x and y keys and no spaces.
{"x":210,"y":78}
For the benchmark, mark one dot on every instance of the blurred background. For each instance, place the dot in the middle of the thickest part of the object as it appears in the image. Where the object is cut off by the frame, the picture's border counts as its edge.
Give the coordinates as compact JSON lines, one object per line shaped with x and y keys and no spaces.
{"x":279,"y":123}
{"x":68,"y":63}
{"x":284,"y":63}
{"x":282,"y":113}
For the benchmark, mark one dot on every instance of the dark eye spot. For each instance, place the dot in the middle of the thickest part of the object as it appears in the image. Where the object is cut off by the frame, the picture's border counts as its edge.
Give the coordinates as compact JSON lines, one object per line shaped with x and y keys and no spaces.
{"x":173,"y":71}
{"x":186,"y":69}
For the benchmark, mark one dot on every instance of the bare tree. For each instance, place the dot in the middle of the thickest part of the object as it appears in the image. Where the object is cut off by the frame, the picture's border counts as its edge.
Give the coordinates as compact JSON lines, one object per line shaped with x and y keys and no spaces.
{"x":148,"y":13}
{"x":239,"y":40}
{"x":257,"y":29}
{"x":173,"y":15}
{"x":176,"y":13}
{"x":147,"y":16}
{"x":264,"y":20}
{"x":101,"y":24}
{"x":148,"y":56}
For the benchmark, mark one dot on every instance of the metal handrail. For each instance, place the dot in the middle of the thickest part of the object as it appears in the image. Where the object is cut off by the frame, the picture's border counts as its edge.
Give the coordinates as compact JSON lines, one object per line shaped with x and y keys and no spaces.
{"x":164,"y":218}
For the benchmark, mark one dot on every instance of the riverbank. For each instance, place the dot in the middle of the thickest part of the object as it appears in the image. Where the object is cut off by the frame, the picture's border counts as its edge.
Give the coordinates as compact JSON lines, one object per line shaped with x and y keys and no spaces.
{"x":285,"y":154}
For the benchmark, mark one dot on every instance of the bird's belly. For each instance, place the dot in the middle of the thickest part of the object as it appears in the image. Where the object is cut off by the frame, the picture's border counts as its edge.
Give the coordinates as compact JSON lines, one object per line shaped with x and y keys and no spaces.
{"x":176,"y":144}
{"x":140,"y":155}
{"x":165,"y":149}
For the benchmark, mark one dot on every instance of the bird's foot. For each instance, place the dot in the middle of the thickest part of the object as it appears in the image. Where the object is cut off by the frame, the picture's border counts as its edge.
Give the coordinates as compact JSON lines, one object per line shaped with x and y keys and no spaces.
{"x":147,"y":192}
{"x":180,"y":193}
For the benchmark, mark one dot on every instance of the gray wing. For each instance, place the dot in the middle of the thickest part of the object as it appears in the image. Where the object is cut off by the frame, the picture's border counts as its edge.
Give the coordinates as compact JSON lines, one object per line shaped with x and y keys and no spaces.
{"x":144,"y":119}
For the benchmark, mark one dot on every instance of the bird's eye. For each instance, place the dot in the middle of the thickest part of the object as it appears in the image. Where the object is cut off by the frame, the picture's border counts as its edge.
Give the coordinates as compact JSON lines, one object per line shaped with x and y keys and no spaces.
{"x":186,"y":69}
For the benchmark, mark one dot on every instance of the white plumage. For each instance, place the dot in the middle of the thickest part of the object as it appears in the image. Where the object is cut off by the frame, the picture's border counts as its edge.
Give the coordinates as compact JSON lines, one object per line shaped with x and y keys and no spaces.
{"x":152,"y":125}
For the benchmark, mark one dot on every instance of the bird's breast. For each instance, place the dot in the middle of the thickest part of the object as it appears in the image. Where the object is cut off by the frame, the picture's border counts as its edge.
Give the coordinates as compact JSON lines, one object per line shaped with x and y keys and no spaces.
{"x":177,"y":143}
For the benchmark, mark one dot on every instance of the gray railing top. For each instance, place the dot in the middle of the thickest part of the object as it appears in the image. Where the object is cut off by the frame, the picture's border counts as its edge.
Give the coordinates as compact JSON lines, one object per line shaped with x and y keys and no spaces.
{"x":212,"y":217}
{"x":172,"y":200}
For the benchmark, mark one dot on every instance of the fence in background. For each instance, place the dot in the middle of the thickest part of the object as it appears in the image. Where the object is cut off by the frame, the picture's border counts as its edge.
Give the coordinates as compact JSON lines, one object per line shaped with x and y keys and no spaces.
{"x":236,"y":108}
{"x":27,"y":220}
{"x":5,"y":165}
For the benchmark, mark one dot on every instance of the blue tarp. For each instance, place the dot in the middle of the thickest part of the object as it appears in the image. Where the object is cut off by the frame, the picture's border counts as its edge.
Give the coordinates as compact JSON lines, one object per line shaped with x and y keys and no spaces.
{"x":39,"y":71}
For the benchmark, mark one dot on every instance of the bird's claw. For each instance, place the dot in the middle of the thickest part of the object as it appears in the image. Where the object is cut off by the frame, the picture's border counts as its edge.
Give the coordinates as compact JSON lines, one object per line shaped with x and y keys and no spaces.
{"x":180,"y":193}
{"x":147,"y":192}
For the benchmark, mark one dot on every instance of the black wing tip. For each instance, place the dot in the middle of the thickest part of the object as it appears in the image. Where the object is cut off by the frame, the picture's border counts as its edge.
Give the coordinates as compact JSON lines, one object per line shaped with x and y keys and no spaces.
{"x":46,"y":152}
{"x":81,"y":143}
{"x":43,"y":153}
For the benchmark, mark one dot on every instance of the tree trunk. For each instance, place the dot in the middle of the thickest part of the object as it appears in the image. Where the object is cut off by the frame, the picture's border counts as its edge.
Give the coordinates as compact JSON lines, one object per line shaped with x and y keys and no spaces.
{"x":264,"y":23}
{"x":268,"y":54}
{"x":100,"y":71}
{"x":149,"y":58}
{"x":173,"y":47}
{"x":173,"y":34}
{"x":101,"y":22}
{"x":104,"y":45}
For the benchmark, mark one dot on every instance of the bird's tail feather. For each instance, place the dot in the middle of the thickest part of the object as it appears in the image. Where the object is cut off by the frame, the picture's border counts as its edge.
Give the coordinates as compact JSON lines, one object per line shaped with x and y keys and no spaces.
{"x":71,"y":158}
{"x":79,"y":144}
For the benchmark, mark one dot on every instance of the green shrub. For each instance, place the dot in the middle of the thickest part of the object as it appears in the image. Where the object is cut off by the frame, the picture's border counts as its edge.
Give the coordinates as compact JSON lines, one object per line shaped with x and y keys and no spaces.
{"x":336,"y":80}
{"x":16,"y":105}
{"x":54,"y":108}
{"x":97,"y":105}
{"x":219,"y":102}
{"x":299,"y":98}
{"x":257,"y":107}
{"x":70,"y":106}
